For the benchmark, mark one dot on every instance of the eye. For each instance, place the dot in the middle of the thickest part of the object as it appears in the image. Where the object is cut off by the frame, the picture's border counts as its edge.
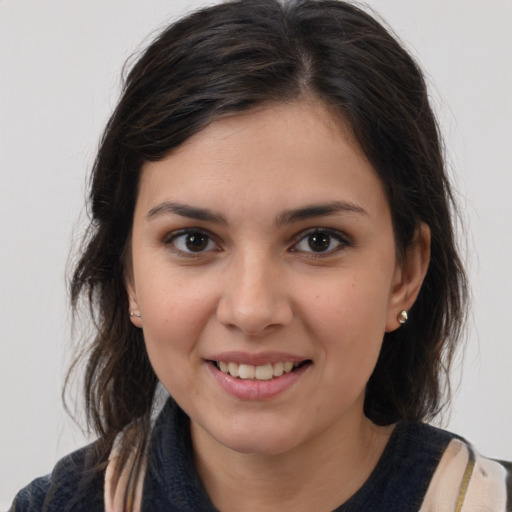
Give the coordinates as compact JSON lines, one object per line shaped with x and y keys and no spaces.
{"x":191,"y":241}
{"x":321,"y":241}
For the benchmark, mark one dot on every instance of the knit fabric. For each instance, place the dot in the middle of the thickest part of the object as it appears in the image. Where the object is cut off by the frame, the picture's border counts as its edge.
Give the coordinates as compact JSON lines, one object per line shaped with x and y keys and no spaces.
{"x":422,"y":469}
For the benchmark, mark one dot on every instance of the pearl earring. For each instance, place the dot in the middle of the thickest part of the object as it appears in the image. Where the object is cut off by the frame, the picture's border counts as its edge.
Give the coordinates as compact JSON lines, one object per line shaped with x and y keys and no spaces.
{"x":402,"y":317}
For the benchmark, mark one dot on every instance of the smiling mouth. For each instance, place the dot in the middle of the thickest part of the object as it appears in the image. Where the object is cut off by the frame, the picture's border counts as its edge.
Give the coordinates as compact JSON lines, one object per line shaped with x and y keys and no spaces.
{"x":267,"y":371}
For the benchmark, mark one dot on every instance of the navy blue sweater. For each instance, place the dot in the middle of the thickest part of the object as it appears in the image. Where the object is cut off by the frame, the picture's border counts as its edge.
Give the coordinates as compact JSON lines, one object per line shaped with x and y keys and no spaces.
{"x":398,"y":483}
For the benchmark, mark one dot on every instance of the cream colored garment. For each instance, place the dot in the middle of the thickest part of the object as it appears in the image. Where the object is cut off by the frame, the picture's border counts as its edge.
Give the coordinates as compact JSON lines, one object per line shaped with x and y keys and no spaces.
{"x":114,"y":495}
{"x":466,"y":482}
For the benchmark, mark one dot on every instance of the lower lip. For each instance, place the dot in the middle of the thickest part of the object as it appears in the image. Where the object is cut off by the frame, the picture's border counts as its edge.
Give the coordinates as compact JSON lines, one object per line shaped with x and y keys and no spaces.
{"x":252,"y":389}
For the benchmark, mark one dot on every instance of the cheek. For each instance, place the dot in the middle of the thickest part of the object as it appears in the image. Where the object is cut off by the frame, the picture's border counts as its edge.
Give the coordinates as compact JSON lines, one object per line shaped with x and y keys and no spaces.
{"x":347,"y":307}
{"x":348,"y":320}
{"x":175,"y":313}
{"x":349,"y":335}
{"x":173,"y":320}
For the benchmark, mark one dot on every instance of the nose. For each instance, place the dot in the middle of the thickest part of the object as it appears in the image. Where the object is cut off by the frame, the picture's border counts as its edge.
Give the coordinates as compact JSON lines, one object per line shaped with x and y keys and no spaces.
{"x":254,"y":298}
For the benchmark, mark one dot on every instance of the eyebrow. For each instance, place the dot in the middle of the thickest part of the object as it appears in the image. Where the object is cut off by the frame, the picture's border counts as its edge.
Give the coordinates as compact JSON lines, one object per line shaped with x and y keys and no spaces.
{"x":185,"y":210}
{"x":286,"y":217}
{"x":318,"y":210}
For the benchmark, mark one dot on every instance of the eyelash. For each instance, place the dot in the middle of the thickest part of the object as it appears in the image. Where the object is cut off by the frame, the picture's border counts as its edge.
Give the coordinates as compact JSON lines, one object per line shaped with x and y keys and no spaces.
{"x":170,"y":240}
{"x":332,"y":234}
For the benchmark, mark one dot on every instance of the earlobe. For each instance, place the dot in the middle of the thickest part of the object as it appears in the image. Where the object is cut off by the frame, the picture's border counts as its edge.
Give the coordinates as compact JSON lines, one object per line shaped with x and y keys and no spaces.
{"x":409,"y":277}
{"x":133,"y":306}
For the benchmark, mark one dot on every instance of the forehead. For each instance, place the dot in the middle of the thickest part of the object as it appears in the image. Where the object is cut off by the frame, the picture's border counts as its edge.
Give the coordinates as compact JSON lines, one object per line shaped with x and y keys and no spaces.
{"x":281,"y":154}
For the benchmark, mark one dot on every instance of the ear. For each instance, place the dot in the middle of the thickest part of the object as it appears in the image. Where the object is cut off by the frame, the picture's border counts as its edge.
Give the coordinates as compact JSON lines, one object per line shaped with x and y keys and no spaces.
{"x":409,"y":276}
{"x":133,"y":305}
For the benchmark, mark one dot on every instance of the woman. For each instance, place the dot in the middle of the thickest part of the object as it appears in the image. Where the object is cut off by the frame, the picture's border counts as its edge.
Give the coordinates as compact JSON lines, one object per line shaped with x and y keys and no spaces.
{"x":271,"y":240}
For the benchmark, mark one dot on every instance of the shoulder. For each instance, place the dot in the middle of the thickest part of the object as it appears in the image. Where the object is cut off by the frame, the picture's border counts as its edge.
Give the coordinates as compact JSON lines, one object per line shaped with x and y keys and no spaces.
{"x":428,"y":469}
{"x":466,"y":481}
{"x":74,"y":484}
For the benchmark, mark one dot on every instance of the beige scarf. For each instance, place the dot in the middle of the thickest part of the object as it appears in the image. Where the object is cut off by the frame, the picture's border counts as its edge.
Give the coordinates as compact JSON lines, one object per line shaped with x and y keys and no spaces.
{"x":115,"y":494}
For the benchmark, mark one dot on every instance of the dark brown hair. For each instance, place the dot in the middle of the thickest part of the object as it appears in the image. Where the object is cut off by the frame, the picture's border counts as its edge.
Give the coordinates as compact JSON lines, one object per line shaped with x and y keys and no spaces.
{"x":231,"y":58}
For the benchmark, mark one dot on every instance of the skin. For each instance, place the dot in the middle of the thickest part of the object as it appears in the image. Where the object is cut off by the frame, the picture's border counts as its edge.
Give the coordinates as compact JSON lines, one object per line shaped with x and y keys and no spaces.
{"x":261,"y":283}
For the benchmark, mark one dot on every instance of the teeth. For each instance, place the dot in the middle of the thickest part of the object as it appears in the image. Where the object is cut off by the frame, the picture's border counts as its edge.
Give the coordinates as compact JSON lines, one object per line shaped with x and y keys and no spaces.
{"x":246,"y":371}
{"x":262,"y":372}
{"x":265,"y":372}
{"x":278,"y":369}
{"x":233,"y":369}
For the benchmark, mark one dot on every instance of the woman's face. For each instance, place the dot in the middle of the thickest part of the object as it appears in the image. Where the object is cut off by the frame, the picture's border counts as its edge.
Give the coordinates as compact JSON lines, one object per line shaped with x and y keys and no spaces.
{"x":264,"y":244}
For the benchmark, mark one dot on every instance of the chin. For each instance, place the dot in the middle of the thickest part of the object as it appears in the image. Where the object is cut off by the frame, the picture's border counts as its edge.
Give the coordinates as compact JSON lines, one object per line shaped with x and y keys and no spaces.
{"x":265,"y":447}
{"x":257,"y":439}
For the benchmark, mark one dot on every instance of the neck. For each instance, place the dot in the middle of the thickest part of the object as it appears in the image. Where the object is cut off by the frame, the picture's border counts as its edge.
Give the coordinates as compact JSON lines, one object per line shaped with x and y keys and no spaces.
{"x":320,"y":474}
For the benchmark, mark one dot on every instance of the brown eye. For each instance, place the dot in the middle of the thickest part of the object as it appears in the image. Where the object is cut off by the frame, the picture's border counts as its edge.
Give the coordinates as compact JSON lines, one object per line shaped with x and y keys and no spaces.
{"x":192,"y":242}
{"x":196,"y":242}
{"x":319,"y":242}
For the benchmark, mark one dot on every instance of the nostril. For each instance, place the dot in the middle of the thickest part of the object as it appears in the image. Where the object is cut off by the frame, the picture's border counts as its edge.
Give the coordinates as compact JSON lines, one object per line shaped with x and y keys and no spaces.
{"x":256,"y":317}
{"x":254,"y":322}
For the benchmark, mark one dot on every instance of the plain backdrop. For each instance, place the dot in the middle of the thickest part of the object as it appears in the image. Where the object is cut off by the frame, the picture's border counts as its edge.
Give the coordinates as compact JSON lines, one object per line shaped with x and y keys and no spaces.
{"x":60,"y":64}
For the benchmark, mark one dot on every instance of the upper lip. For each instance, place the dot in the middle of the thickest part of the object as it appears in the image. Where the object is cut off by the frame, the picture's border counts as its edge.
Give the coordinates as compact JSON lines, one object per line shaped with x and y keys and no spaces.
{"x":258,"y":359}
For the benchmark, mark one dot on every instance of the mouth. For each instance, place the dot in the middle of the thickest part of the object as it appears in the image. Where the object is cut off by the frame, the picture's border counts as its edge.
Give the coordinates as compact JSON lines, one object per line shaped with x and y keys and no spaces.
{"x":265,"y":372}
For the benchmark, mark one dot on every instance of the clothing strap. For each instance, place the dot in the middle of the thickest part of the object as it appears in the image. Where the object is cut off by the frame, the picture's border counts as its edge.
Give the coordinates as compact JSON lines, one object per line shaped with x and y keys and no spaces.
{"x":465,"y":481}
